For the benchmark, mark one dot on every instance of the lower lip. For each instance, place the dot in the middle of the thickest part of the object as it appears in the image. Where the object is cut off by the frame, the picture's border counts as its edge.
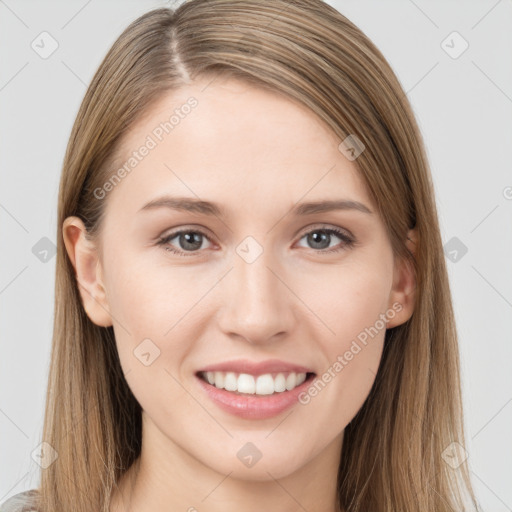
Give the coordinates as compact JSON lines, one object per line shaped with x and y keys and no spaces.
{"x":255,"y":407}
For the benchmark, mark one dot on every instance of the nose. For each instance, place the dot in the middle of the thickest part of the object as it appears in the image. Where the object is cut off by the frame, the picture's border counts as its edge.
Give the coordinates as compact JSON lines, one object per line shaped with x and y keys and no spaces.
{"x":257,"y":306}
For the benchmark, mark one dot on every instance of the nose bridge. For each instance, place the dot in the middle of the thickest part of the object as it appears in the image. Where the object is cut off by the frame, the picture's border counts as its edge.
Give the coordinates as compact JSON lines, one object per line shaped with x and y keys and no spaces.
{"x":256,"y":305}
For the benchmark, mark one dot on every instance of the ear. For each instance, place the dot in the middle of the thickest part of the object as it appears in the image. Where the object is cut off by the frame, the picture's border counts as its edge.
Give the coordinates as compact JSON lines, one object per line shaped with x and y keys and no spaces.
{"x":403,"y":292}
{"x":84,"y":256}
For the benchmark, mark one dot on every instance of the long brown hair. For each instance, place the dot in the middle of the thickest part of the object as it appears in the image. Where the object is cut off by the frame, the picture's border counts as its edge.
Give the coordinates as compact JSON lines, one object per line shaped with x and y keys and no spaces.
{"x":392,"y":456}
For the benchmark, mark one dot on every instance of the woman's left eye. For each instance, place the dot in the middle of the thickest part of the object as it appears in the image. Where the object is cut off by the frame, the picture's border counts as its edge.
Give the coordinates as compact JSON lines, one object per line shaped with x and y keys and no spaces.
{"x":190,"y":241}
{"x":322,"y":236}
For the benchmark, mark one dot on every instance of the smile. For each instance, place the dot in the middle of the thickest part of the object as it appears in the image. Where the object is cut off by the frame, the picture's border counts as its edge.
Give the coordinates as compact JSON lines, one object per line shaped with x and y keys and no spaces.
{"x":253,"y":397}
{"x":244,"y":383}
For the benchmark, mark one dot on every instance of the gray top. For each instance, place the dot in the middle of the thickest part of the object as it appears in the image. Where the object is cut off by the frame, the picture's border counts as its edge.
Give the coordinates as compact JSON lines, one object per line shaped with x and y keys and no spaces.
{"x":22,"y":502}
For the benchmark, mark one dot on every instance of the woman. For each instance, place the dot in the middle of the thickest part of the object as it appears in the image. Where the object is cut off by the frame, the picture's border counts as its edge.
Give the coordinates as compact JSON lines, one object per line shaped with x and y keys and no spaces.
{"x":266,"y":153}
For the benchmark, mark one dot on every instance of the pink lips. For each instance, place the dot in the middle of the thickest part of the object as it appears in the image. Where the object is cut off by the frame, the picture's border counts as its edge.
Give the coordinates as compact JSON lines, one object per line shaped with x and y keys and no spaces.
{"x":246,"y":366}
{"x":255,"y":407}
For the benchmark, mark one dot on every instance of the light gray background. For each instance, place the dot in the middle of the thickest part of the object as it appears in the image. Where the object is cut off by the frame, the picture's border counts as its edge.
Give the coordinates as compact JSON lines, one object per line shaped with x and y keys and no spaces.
{"x":464,"y":108}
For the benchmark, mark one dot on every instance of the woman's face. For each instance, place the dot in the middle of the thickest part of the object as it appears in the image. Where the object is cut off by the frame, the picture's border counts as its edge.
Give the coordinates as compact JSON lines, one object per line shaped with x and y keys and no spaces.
{"x":257,"y":276}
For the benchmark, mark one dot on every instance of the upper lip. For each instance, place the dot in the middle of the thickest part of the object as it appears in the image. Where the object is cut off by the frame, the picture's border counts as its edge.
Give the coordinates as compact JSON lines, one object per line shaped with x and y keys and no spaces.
{"x":256,"y":368}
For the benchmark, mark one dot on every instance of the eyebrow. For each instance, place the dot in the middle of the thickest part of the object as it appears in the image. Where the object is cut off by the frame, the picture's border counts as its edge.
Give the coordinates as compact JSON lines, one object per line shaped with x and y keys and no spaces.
{"x":208,"y":208}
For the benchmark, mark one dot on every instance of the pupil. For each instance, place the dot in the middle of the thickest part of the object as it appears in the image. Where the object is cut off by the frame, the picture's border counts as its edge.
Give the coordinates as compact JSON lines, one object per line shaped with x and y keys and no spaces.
{"x":191,"y":238}
{"x":314,"y":239}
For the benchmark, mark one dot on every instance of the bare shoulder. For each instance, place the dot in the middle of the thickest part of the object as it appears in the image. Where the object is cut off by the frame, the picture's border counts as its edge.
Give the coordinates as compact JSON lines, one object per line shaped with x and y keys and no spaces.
{"x":25,"y":501}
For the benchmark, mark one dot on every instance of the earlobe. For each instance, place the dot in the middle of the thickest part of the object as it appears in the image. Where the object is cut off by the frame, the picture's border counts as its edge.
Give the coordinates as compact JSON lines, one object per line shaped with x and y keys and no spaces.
{"x":84,"y":257}
{"x":403,"y":293}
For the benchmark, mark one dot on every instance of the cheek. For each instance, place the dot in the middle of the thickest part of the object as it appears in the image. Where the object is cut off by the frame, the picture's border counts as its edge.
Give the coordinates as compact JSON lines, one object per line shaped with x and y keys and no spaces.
{"x":158,"y":311}
{"x":353,"y":306}
{"x":351,"y":361}
{"x":348,"y":298}
{"x":152,"y":326}
{"x":149,"y":295}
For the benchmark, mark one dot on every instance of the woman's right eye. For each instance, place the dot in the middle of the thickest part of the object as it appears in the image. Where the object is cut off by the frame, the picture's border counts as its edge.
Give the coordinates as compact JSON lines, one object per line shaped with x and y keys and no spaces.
{"x":189,"y":240}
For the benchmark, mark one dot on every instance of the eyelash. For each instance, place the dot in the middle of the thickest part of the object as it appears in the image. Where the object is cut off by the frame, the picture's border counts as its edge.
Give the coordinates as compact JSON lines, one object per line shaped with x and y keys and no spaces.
{"x":349,"y":242}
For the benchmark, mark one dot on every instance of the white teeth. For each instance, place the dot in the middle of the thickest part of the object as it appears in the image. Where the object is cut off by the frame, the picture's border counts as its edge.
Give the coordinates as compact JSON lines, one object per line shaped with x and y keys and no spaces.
{"x":219,"y":380}
{"x":246,"y":383}
{"x":280,"y":383}
{"x":231,"y":382}
{"x":291,"y":381}
{"x":266,"y":384}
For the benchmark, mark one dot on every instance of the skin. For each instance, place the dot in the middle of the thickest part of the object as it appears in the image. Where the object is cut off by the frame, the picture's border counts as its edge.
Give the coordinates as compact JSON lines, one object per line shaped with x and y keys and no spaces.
{"x":256,"y":154}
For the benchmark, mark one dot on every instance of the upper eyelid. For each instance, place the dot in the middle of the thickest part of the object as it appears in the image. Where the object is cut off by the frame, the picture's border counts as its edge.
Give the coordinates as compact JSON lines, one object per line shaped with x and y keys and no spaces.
{"x":326,"y":227}
{"x":186,"y":229}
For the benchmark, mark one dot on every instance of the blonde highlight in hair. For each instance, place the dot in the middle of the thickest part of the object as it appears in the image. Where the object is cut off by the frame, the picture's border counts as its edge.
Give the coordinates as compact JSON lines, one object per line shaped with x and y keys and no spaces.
{"x":306,"y":50}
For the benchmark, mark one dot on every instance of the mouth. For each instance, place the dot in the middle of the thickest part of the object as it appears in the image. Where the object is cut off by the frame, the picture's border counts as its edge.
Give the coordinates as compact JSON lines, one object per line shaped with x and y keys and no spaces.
{"x":255,"y":385}
{"x":254,"y":390}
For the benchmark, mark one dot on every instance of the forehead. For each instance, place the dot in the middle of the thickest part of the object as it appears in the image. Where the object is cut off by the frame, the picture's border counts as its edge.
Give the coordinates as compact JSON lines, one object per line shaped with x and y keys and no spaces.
{"x":230,"y":142}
